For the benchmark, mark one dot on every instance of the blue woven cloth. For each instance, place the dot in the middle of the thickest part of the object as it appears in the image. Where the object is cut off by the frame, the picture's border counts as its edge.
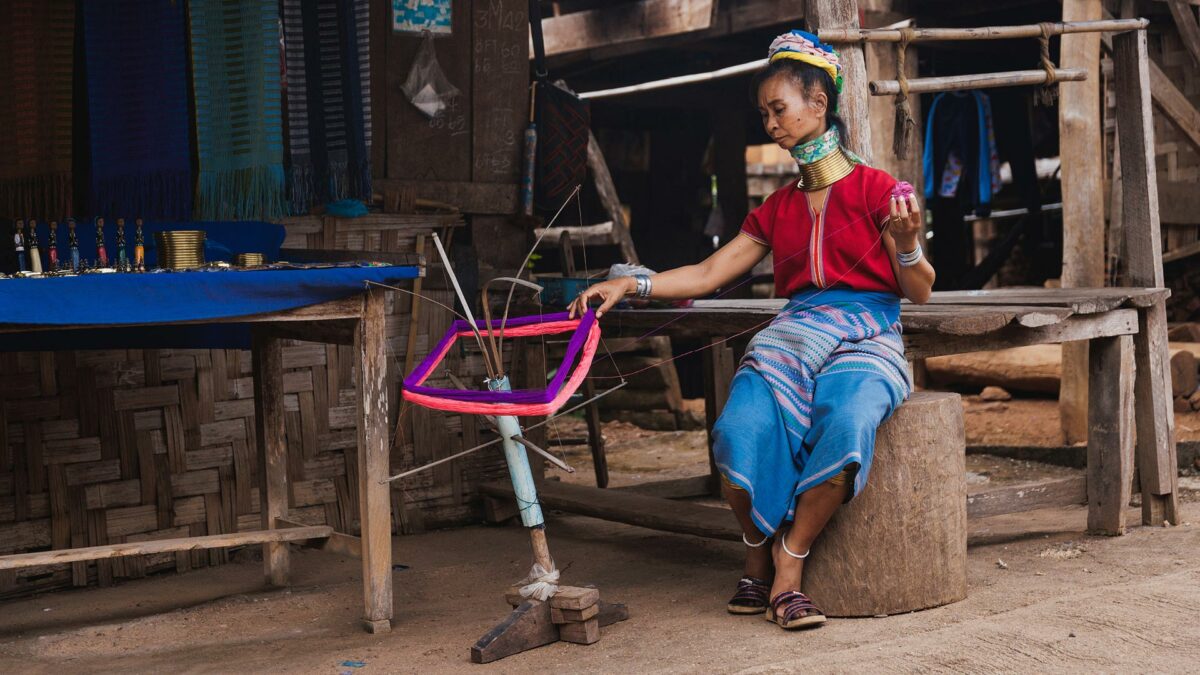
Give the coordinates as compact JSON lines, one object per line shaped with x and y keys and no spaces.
{"x":808,"y":397}
{"x":139,"y":131}
{"x":156,"y":298}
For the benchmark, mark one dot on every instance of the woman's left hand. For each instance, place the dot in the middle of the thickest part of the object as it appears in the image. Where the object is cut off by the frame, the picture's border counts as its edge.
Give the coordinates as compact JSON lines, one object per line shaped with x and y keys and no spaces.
{"x":905,"y":222}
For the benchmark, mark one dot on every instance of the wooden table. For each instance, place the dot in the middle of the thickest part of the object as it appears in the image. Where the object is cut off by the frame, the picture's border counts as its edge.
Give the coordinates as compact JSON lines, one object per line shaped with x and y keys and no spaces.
{"x":358,"y":321}
{"x":1122,"y":325}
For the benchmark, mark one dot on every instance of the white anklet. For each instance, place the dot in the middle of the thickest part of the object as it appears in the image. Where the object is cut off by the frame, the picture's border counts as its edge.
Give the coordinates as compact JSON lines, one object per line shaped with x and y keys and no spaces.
{"x":760,"y":544}
{"x":783,"y":543}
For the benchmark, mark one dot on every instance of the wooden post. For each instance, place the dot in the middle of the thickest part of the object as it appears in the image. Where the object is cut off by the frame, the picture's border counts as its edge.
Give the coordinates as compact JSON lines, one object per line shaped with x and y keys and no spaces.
{"x":267,"y":353}
{"x":1083,"y":200}
{"x":719,"y":367}
{"x":1110,"y":434}
{"x":375,"y":513}
{"x":1143,"y":254}
{"x":853,"y":105}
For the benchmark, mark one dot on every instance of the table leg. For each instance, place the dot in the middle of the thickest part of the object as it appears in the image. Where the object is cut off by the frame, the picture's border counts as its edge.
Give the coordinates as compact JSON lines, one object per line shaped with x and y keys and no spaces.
{"x":1110,"y":433}
{"x":719,"y":366}
{"x":374,"y":506}
{"x":1156,"y":459}
{"x":591,"y":413}
{"x":272,"y":448}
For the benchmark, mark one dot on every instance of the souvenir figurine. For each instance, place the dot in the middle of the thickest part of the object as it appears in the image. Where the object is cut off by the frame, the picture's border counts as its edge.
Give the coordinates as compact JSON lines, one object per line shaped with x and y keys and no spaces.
{"x":101,"y":253}
{"x":73,"y":244}
{"x":35,"y":255}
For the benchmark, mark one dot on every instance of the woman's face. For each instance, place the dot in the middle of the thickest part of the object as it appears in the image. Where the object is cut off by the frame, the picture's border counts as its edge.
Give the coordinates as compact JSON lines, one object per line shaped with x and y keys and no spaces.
{"x":789,"y":116}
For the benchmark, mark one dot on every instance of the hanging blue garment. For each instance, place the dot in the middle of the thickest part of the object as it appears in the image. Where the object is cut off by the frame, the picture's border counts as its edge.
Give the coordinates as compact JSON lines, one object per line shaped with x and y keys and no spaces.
{"x":960,"y":150}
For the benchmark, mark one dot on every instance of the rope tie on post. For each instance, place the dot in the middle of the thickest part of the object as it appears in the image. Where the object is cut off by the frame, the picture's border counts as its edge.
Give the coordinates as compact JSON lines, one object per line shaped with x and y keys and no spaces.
{"x":905,"y":124}
{"x":1048,"y":94}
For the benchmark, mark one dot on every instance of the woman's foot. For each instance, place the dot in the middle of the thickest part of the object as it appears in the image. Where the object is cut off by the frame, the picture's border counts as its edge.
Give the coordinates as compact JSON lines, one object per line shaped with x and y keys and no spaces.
{"x":750,"y":597}
{"x":793,"y":609}
{"x":759,"y":557}
{"x":788,"y":564}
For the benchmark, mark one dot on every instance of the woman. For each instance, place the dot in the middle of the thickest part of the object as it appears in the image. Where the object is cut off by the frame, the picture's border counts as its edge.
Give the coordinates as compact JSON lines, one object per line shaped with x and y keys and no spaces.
{"x":796,"y":437}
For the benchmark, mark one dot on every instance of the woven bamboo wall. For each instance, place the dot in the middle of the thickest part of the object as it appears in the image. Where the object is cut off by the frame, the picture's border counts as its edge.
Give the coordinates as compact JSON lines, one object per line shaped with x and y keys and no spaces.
{"x":124,"y":445}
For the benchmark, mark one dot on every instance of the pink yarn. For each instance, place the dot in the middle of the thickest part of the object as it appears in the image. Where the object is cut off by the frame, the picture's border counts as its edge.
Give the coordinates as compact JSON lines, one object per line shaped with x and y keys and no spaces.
{"x":524,"y":409}
{"x":903,"y":190}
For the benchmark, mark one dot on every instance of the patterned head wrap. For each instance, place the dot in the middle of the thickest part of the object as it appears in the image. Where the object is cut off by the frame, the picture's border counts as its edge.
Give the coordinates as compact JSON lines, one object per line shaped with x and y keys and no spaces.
{"x":807,"y":48}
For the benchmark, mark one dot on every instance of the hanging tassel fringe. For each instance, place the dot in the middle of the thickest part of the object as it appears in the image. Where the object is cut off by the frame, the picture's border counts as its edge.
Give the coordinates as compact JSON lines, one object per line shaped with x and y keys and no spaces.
{"x":256,"y":193}
{"x":45,"y":197}
{"x":154,"y":195}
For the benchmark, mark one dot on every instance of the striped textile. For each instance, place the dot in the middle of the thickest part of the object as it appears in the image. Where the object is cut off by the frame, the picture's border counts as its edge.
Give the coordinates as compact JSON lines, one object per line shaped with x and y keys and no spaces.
{"x":239,"y":129}
{"x":805,"y":340}
{"x":328,"y":78}
{"x":37,"y":53}
{"x":138,"y":117}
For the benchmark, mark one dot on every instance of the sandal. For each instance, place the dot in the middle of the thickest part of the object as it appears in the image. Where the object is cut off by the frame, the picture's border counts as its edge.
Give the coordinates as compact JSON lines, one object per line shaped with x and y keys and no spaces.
{"x":793,"y":609}
{"x":750,"y":597}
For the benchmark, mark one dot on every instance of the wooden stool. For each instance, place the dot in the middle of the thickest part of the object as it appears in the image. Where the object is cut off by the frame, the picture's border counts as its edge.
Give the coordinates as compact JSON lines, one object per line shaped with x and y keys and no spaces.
{"x":900,"y":545}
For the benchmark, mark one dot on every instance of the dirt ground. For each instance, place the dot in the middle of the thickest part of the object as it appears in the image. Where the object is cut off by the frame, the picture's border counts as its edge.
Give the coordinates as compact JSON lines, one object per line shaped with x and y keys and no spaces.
{"x":1043,"y":597}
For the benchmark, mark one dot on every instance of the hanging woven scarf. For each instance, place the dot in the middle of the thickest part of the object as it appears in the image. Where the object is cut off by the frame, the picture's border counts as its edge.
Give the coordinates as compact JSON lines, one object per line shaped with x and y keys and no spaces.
{"x":326,"y":45}
{"x":138,"y":108}
{"x":36,"y":58}
{"x":239,"y":133}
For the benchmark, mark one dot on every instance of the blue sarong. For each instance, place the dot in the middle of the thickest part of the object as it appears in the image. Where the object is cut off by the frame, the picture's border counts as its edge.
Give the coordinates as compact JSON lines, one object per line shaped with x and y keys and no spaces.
{"x":808,"y":396}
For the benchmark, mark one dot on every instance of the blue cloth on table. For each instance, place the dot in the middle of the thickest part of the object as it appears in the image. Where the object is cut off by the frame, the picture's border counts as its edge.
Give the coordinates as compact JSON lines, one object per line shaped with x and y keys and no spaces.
{"x":808,"y":397}
{"x":106,"y":300}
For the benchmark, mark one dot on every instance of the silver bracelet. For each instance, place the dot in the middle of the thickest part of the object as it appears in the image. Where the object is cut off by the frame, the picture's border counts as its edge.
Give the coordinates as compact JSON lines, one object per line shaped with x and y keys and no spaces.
{"x":644,"y":285}
{"x":911,"y":258}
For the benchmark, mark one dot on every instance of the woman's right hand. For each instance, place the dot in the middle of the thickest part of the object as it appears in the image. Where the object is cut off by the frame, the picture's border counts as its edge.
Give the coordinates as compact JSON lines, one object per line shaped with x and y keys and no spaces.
{"x":608,"y":293}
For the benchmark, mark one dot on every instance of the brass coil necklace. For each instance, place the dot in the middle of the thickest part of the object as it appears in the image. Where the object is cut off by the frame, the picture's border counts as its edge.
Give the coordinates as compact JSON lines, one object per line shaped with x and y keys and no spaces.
{"x":821,"y":173}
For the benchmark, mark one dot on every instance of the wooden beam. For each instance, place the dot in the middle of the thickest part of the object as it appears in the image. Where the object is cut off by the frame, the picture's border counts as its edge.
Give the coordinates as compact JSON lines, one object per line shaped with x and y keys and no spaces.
{"x":1181,"y":253}
{"x":848,"y":35}
{"x":1189,"y":30}
{"x":607,"y":190}
{"x":277,"y":536}
{"x":1082,"y":199}
{"x":477,"y":198}
{"x":1110,"y":434}
{"x":674,"y":488}
{"x":633,"y":509}
{"x":337,"y":332}
{"x":627,"y":22}
{"x":853,"y":105}
{"x":1027,"y":497}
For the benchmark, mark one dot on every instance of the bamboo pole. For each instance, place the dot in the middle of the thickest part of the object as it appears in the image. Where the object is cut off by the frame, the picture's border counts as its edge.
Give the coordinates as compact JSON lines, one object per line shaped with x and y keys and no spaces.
{"x":847,"y":35}
{"x":1013,"y":78}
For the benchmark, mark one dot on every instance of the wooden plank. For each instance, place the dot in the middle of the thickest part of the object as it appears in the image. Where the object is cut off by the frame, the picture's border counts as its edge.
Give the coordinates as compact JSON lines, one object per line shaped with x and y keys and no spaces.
{"x":527,"y":627}
{"x":338,"y":332}
{"x":1110,"y":434}
{"x":674,"y":488}
{"x":719,"y":367}
{"x":57,"y":557}
{"x":373,"y":444}
{"x":854,"y":102}
{"x":632,"y":509}
{"x":419,"y":147}
{"x":472,"y":198}
{"x":625,"y":22}
{"x":1179,"y":203}
{"x":1027,"y":497}
{"x":500,"y":96}
{"x":337,"y":542}
{"x":1117,"y":322}
{"x":272,"y":449}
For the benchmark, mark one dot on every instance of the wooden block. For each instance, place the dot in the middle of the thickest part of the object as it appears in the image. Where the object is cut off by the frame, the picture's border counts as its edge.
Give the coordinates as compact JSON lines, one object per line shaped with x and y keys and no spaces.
{"x":573,"y":615}
{"x":611,"y":612}
{"x":574,"y":597}
{"x":513,"y":596}
{"x":583,"y":633}
{"x":527,"y":627}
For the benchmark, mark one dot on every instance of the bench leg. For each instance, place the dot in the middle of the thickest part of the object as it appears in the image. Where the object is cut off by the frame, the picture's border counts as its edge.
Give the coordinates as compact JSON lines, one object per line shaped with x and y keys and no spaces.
{"x":1110,"y":433}
{"x":267,"y":353}
{"x":374,"y":505}
{"x":719,"y":366}
{"x":1156,"y":460}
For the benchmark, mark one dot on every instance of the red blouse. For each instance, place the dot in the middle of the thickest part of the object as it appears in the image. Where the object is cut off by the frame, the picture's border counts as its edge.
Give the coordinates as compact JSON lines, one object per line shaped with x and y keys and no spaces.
{"x":842,"y":246}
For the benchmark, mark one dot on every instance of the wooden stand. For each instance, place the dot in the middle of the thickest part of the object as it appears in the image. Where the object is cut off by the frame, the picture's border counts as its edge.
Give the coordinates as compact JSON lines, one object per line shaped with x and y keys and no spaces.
{"x":901,"y":545}
{"x":574,"y":614}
